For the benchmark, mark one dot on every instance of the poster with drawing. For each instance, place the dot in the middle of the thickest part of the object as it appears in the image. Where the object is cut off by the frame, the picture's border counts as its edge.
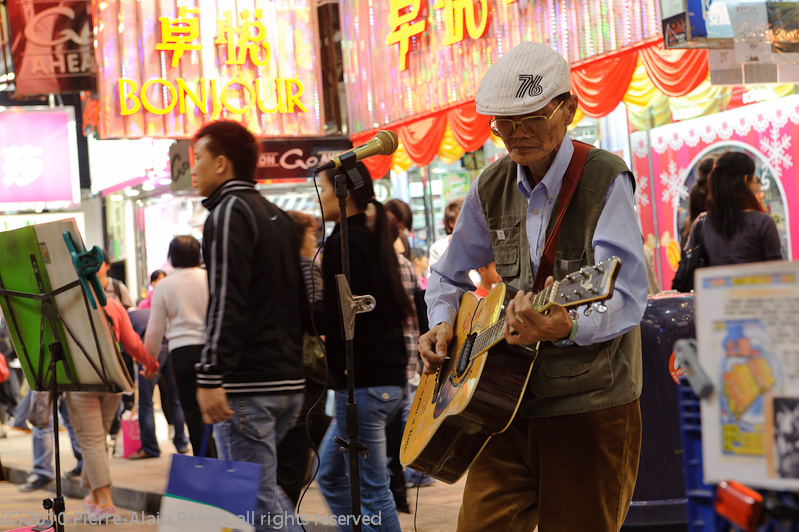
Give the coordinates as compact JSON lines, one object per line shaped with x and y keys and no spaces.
{"x":748,"y":344}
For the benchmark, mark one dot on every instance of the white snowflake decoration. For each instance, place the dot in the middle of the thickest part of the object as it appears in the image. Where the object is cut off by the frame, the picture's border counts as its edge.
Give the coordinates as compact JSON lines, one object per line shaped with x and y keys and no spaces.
{"x":22,"y":165}
{"x":673,"y":182}
{"x":641,"y":196}
{"x":776,"y":148}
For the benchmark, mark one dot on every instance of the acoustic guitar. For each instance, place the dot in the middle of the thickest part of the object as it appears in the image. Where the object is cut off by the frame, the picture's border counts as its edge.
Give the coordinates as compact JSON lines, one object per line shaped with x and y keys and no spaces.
{"x":477,"y":391}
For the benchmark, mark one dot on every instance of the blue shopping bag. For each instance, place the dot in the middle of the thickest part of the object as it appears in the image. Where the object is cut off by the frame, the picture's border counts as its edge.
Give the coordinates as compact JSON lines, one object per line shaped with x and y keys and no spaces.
{"x":209,"y":494}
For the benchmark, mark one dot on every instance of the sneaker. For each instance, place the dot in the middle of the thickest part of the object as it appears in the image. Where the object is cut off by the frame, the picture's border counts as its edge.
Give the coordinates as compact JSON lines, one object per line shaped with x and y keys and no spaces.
{"x":100,"y":513}
{"x":74,"y":473}
{"x":88,"y":505}
{"x":35,"y":482}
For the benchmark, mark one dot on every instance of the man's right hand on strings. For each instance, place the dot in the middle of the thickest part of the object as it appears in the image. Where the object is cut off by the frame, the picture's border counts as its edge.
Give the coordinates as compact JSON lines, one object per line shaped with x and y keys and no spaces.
{"x":433,"y":346}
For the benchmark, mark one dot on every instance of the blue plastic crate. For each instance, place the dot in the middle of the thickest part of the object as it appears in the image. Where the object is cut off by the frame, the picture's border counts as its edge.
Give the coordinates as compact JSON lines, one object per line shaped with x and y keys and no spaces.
{"x":702,"y":516}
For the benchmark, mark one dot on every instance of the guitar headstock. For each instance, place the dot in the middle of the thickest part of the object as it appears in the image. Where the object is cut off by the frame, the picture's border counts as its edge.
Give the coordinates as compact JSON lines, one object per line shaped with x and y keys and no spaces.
{"x":589,"y":285}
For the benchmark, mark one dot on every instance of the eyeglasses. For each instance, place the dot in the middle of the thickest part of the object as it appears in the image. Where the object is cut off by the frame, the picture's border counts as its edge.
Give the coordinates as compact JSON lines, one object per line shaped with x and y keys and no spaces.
{"x":534,"y":125}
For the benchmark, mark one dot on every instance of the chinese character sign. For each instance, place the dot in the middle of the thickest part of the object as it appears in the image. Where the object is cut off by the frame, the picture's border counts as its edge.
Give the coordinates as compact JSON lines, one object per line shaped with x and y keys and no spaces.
{"x":405,"y":58}
{"x":406,"y":20}
{"x":240,"y":43}
{"x":203,"y":61}
{"x":180,"y":34}
{"x":474,"y":14}
{"x":38,"y":157}
{"x":402,"y":16}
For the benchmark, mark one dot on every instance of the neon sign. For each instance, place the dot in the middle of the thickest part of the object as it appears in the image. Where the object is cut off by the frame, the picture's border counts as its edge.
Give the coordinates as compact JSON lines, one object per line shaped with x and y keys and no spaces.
{"x":406,"y":19}
{"x":243,"y":42}
{"x":287,"y":93}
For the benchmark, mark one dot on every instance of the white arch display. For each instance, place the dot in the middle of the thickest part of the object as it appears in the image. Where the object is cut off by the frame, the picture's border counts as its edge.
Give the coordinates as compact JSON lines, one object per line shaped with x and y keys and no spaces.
{"x":748,"y":147}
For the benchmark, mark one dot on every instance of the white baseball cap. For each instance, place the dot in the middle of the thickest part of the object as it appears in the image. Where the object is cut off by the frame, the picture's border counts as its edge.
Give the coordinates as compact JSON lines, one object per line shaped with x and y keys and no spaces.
{"x":523,"y":81}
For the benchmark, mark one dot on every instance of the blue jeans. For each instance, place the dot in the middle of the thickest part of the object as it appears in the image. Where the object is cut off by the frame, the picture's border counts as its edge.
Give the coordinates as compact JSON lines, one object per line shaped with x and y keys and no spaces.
{"x":169,"y":394}
{"x":376,"y":406}
{"x":43,"y":445}
{"x":258,"y":423}
{"x":21,"y":413}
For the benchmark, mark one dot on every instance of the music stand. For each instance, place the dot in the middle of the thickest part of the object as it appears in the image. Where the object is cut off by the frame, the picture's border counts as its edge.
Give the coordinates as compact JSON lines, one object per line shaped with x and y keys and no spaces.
{"x":38,"y":260}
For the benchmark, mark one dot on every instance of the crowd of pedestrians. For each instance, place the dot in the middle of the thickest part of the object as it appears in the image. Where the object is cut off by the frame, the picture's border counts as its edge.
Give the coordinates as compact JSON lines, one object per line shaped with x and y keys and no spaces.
{"x":263,"y":388}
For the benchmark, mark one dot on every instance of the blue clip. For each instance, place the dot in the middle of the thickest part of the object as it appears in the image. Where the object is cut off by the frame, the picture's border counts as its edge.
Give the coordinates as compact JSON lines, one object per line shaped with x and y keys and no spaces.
{"x":87,"y":264}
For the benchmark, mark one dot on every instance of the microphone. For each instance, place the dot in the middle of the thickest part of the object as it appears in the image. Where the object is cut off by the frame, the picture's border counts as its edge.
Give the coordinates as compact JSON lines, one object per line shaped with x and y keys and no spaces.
{"x":384,"y":143}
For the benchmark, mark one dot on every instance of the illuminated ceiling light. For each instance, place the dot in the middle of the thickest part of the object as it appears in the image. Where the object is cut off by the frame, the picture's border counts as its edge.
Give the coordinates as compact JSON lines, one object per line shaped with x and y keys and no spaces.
{"x":117,"y":197}
{"x":131,"y":192}
{"x":147,"y":187}
{"x":166,"y":197}
{"x":165,"y":181}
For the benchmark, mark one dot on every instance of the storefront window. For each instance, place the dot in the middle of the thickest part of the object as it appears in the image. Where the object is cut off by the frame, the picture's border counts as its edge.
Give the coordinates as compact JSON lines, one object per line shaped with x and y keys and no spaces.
{"x":429,"y":189}
{"x":164,"y":218}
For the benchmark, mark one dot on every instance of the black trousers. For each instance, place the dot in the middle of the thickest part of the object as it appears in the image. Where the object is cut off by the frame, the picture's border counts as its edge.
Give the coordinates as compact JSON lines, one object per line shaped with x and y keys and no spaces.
{"x":183,"y":361}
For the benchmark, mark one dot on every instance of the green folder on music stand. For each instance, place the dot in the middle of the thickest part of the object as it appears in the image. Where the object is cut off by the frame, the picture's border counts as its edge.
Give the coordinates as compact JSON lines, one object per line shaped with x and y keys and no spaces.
{"x":45,"y":274}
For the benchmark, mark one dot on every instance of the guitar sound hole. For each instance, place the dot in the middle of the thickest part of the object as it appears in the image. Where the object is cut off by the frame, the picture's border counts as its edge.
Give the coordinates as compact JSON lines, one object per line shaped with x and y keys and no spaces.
{"x":465,"y":354}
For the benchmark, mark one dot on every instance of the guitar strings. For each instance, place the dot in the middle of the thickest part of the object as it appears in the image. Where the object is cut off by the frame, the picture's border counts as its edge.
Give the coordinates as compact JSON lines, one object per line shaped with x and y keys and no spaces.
{"x":493,"y":333}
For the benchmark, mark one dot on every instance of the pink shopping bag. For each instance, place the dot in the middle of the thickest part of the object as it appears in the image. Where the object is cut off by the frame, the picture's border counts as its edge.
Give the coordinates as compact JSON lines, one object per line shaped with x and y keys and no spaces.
{"x":131,"y":437}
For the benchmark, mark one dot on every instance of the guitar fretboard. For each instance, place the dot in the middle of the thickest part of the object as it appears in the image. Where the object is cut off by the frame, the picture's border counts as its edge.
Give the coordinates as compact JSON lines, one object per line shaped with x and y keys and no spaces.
{"x":493,"y":334}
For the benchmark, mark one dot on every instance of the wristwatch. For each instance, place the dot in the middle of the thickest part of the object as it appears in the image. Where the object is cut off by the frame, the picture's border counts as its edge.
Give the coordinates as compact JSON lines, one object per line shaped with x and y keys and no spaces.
{"x":569,"y":340}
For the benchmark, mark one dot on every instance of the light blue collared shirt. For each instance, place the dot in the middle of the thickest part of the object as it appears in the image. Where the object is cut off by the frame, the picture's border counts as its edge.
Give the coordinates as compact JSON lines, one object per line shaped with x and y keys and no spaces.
{"x":617,"y":234}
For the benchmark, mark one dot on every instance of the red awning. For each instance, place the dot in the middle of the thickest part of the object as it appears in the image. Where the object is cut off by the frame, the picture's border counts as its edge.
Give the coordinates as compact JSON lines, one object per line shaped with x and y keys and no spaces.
{"x":600,"y":83}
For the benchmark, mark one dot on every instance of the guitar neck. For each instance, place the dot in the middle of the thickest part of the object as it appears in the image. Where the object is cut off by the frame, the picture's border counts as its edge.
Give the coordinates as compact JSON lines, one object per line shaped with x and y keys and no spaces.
{"x":591,"y":284}
{"x":493,"y":334}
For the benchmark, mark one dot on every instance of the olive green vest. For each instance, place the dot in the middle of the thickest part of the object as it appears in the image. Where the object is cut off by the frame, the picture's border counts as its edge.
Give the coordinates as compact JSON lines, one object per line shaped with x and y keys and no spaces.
{"x":565,"y":380}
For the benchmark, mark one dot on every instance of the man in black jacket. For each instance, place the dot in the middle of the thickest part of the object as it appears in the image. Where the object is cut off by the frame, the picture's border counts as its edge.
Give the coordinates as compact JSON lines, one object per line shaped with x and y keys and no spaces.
{"x":250,"y":378}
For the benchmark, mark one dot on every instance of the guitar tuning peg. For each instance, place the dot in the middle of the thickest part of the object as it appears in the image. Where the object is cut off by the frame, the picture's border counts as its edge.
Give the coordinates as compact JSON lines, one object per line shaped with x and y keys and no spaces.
{"x":588,"y":311}
{"x":601,"y":308}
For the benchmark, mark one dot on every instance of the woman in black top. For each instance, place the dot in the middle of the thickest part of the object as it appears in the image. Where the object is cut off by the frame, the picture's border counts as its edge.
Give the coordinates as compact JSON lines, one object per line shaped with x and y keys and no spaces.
{"x":735,"y":229}
{"x":379,"y":351}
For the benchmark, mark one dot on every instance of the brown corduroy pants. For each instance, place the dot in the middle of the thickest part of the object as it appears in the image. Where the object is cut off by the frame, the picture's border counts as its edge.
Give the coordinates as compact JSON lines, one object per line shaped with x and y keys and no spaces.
{"x":573,"y":473}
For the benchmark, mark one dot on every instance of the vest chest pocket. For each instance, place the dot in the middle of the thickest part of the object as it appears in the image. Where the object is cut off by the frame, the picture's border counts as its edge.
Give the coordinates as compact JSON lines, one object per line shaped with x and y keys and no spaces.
{"x":572,"y":370}
{"x":569,"y":259}
{"x":505,"y":234}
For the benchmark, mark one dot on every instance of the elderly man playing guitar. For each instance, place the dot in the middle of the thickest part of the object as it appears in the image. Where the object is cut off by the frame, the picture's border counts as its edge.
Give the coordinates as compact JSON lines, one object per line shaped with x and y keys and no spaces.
{"x":569,"y":459}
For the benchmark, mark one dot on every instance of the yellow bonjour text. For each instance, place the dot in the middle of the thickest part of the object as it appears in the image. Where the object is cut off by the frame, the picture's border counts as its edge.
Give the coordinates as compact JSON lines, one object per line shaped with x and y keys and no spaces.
{"x":160,"y":96}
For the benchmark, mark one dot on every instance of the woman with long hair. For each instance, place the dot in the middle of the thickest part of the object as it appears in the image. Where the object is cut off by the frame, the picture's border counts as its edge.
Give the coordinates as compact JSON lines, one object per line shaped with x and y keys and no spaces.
{"x":735,"y":229}
{"x":378,"y":348}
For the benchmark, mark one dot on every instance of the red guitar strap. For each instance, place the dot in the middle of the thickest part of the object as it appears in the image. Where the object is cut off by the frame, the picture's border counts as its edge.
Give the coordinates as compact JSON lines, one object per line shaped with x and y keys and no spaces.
{"x":567,"y":188}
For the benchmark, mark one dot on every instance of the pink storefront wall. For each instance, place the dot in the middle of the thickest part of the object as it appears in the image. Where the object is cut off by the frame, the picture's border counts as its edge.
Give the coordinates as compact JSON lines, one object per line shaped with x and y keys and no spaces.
{"x":766,"y":128}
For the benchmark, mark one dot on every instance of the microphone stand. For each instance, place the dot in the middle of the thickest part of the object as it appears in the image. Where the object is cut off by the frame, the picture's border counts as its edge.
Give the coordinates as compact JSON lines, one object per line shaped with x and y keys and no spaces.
{"x":350,"y":306}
